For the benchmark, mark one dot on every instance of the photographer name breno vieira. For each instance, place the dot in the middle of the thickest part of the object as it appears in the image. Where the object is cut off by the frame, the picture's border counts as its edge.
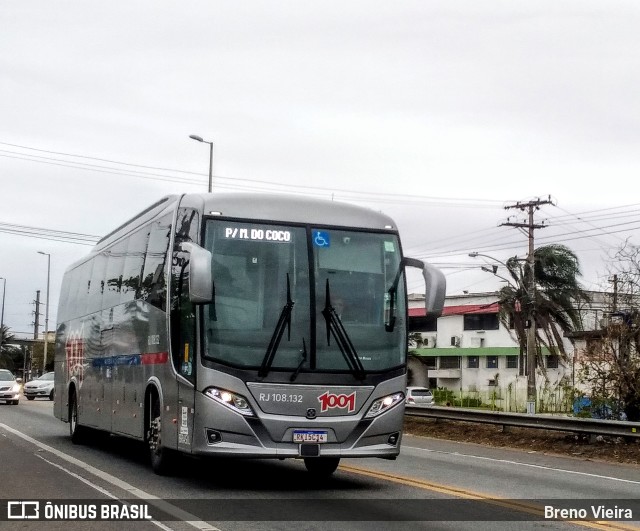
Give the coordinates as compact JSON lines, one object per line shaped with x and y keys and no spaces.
{"x":597,"y":512}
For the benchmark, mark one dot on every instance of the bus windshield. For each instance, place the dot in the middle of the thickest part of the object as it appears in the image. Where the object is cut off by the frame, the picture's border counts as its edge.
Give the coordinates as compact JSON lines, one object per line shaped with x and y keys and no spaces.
{"x":266,"y":277}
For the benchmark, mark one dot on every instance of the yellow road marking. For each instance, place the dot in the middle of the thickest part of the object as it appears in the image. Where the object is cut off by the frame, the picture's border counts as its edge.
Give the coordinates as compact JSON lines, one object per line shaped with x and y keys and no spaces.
{"x":467,"y":494}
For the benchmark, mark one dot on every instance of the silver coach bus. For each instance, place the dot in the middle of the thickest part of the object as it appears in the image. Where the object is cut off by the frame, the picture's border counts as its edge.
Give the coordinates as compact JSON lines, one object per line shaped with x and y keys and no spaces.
{"x":241,"y":325}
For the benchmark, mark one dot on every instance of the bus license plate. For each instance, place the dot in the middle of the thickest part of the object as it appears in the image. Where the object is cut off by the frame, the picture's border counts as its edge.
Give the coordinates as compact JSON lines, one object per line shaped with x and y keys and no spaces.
{"x":308,"y":436}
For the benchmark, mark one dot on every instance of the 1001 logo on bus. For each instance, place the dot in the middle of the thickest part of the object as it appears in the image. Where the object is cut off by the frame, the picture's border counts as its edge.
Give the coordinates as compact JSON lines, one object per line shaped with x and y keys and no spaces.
{"x":331,"y":401}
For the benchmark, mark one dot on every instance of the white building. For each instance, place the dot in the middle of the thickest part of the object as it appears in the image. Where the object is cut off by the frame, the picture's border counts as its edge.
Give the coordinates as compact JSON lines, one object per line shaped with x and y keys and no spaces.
{"x":469,"y":352}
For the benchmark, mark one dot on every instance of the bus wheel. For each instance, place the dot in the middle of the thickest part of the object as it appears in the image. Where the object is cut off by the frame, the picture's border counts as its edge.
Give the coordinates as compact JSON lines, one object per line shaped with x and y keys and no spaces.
{"x":321,"y":467}
{"x":76,"y":432}
{"x":160,"y":457}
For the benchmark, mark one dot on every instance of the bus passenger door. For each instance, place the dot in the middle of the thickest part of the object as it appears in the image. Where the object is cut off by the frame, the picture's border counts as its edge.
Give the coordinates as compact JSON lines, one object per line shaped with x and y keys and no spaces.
{"x":183,"y":347}
{"x":183,"y":327}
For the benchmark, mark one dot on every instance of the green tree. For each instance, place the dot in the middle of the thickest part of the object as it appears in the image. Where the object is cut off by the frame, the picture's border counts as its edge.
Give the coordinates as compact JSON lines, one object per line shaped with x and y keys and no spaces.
{"x":37,"y":357}
{"x":554,"y":303}
{"x":10,"y":355}
{"x":611,"y":368}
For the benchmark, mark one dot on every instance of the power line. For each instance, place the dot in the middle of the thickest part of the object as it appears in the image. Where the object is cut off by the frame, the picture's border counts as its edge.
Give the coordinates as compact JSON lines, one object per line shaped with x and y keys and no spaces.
{"x":48,"y":234}
{"x":233,"y":183}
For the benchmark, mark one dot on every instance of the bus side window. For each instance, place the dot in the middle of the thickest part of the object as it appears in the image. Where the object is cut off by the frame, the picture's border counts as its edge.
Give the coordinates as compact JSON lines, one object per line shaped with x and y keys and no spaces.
{"x":153,"y":288}
{"x":78,"y":286}
{"x":83,"y":287}
{"x":113,"y":283}
{"x":63,"y":308}
{"x":97,"y":283}
{"x":133,"y":264}
{"x":72,"y":300}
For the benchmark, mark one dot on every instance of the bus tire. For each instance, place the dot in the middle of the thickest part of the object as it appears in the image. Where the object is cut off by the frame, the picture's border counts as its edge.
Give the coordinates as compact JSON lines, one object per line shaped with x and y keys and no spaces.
{"x":160,"y":457}
{"x":77,"y":433}
{"x":321,"y":467}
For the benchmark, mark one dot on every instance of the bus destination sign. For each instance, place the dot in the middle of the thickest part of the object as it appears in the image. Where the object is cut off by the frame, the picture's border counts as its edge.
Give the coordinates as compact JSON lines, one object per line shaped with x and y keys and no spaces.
{"x":257,"y":234}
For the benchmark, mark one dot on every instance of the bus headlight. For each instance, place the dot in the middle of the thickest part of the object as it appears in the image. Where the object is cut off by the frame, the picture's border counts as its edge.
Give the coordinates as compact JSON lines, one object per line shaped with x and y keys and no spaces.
{"x":233,"y":401}
{"x":383,"y":404}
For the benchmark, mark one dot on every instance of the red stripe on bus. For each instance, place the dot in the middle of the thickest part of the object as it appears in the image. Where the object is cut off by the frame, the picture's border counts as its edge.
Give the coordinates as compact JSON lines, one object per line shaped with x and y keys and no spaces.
{"x":153,"y":358}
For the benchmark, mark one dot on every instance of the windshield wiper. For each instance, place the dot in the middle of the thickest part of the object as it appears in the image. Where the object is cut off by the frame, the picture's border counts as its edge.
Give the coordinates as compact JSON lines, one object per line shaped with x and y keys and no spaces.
{"x":304,"y":358}
{"x":336,"y":328}
{"x":284,"y":321}
{"x":389,"y":326}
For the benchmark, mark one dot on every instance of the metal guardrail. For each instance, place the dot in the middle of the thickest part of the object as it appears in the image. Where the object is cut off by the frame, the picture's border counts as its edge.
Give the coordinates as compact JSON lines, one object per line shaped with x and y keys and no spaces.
{"x":613,"y":428}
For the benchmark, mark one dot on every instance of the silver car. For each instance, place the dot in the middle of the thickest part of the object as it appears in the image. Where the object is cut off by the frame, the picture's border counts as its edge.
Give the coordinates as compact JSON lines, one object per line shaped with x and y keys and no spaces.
{"x":418,"y":396}
{"x":42,"y":387}
{"x":9,"y":387}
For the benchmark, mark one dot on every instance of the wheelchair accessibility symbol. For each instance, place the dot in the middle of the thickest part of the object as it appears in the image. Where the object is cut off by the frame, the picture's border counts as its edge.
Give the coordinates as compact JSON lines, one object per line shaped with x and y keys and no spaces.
{"x":321,"y":238}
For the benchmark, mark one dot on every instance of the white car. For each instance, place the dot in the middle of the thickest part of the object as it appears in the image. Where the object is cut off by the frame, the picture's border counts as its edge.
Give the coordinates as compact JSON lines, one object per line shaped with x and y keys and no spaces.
{"x":42,"y":387}
{"x":9,"y":387}
{"x":418,"y":396}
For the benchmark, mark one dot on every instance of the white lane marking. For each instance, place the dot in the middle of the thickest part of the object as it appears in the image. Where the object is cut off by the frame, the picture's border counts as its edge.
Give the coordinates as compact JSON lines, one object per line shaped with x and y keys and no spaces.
{"x":163,"y":505}
{"x":98,"y":488}
{"x":508,"y":462}
{"x":77,"y":476}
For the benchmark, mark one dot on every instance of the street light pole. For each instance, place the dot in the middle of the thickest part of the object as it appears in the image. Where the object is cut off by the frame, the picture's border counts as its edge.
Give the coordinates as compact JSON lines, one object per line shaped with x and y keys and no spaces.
{"x":475,"y":255}
{"x":200,"y":139}
{"x":46,"y":315}
{"x":530,"y":290}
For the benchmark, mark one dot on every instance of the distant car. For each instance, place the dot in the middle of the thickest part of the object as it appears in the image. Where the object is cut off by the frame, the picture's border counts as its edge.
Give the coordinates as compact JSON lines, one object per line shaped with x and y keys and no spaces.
{"x":9,"y":387}
{"x":419,"y":396}
{"x":40,"y":387}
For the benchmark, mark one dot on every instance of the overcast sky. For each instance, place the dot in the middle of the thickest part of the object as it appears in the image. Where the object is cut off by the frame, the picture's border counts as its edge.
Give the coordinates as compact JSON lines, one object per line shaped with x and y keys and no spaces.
{"x":438,"y":113}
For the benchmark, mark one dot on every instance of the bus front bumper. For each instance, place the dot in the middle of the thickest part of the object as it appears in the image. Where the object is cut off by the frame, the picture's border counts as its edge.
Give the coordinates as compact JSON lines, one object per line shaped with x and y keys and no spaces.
{"x":221,"y":431}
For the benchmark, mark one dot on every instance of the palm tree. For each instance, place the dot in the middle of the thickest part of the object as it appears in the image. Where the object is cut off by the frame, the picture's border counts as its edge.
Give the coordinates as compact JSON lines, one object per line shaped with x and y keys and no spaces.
{"x":6,"y":360}
{"x":553,"y":303}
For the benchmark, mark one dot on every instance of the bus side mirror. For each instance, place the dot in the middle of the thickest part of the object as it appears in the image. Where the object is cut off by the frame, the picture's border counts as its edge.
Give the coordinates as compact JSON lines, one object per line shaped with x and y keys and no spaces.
{"x":200,"y":276}
{"x":435,"y":285}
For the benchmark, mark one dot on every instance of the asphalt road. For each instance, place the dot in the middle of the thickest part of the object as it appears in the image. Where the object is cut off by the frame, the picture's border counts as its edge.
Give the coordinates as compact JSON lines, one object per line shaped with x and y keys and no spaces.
{"x":441,"y":485}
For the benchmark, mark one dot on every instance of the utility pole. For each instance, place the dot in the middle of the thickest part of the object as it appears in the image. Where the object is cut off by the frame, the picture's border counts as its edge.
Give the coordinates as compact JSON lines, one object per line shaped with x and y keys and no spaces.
{"x":530,"y":207}
{"x":36,"y":323}
{"x":25,"y":355}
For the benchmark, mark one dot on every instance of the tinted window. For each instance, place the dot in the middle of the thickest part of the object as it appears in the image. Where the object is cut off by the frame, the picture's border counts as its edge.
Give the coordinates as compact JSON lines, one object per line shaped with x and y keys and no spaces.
{"x":449,"y":362}
{"x":154,"y":280}
{"x":481,"y":321}
{"x":133,"y":264}
{"x":421,"y":392}
{"x":63,"y":310}
{"x":78,"y":289}
{"x":115,"y":266}
{"x":96,"y":288}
